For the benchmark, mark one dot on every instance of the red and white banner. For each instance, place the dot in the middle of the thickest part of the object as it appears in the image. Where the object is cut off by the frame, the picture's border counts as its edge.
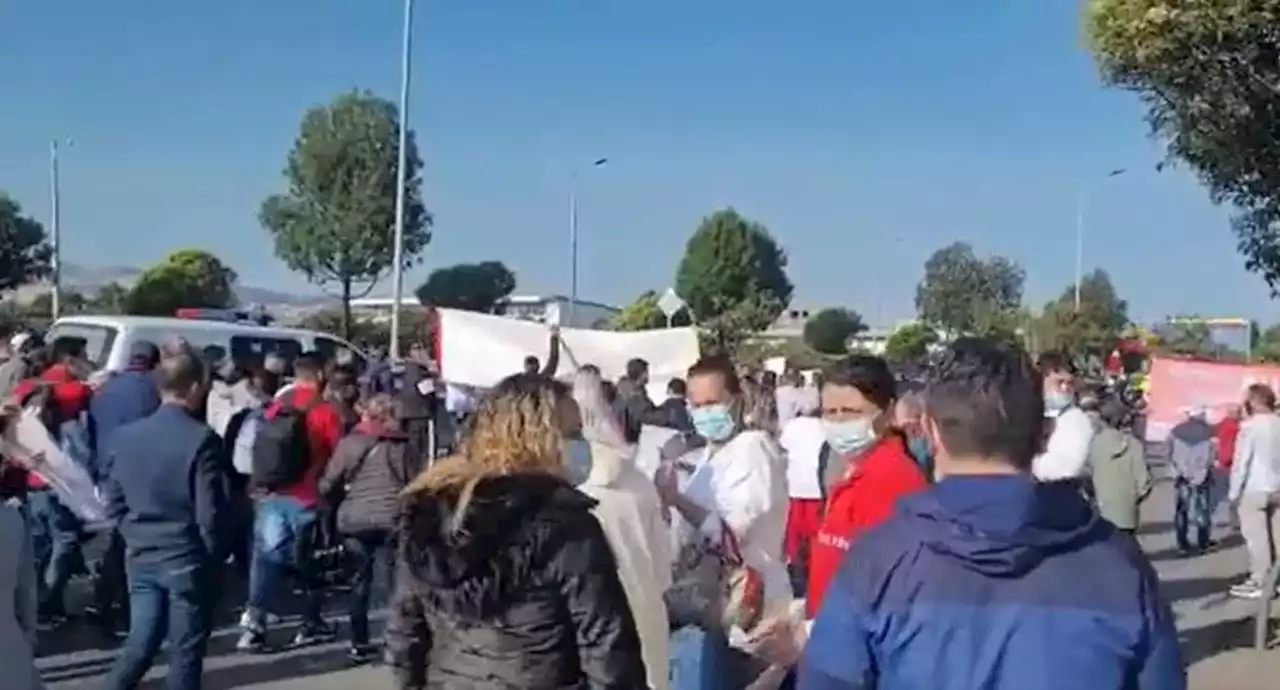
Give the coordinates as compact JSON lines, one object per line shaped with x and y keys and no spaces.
{"x":1175,"y":386}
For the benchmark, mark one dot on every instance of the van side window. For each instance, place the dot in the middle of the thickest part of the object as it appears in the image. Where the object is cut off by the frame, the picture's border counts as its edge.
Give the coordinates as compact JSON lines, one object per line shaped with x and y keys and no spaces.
{"x":254,"y":349}
{"x":331,"y":350}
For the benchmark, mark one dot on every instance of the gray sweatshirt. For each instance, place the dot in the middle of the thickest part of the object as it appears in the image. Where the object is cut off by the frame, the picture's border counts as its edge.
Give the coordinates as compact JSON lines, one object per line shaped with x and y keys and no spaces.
{"x":1191,"y":450}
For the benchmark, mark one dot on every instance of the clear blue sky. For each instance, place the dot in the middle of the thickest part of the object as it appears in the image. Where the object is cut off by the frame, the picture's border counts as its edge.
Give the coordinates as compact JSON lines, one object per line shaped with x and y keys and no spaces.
{"x":864,"y":134}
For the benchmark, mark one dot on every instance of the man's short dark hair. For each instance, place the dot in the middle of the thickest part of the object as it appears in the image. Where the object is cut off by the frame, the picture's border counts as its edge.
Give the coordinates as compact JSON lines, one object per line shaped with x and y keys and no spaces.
{"x":715,"y":364}
{"x":1054,"y":363}
{"x":531,"y":365}
{"x":309,"y":365}
{"x":181,"y":371}
{"x":987,"y":401}
{"x":63,"y":349}
{"x":637,"y":368}
{"x":677,"y":386}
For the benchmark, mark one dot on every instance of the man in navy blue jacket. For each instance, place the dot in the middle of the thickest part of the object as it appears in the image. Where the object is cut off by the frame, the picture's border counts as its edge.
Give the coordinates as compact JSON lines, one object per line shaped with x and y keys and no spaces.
{"x":989,"y":579}
{"x":168,"y":493}
{"x":125,"y":397}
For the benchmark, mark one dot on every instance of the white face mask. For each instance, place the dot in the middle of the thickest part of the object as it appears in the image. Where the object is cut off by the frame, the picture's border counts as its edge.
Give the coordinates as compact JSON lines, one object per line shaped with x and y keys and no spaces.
{"x":849,"y":435}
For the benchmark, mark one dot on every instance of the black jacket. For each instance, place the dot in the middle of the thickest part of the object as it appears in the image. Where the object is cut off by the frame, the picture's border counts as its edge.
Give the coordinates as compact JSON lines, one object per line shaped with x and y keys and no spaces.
{"x":365,"y":476}
{"x":525,"y":594}
{"x":634,"y":409}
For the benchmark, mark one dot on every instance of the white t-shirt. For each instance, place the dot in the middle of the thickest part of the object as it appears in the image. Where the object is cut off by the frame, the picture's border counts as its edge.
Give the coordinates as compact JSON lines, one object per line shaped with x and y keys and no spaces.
{"x":801,"y":439}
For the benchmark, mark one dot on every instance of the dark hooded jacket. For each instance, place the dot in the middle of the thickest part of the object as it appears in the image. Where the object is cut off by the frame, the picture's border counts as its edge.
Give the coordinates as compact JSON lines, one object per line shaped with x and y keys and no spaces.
{"x":999,"y":583}
{"x":524,"y":594}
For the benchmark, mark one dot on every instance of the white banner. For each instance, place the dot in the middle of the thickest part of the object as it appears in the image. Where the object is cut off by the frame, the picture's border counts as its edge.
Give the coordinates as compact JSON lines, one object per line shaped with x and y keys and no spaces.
{"x":481,"y":349}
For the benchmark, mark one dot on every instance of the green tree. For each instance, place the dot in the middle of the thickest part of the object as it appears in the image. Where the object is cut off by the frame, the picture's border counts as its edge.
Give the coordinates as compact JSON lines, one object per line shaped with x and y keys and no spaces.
{"x":1091,"y":330}
{"x":1208,"y":77}
{"x":644,"y":314}
{"x":829,"y":330}
{"x":112,"y":298}
{"x":965,"y":294}
{"x":40,"y":308}
{"x":24,"y":248}
{"x":910,"y":343}
{"x":186,"y":278}
{"x":336,"y":222}
{"x":472,"y":287}
{"x":1190,"y":336}
{"x":733,"y":278}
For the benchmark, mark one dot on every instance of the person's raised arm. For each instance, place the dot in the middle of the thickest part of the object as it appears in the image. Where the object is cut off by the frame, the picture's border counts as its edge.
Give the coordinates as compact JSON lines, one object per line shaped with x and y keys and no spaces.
{"x":553,"y":354}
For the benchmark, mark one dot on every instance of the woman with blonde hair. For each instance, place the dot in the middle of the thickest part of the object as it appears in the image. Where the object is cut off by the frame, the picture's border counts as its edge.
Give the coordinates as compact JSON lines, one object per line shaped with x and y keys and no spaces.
{"x":632,"y":516}
{"x":505,"y":578}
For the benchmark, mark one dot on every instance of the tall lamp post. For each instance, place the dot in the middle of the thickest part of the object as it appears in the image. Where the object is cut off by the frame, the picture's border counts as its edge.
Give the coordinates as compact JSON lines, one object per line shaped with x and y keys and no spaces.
{"x":55,"y":231}
{"x":397,"y":266}
{"x":573,"y":240}
{"x":1081,"y":204}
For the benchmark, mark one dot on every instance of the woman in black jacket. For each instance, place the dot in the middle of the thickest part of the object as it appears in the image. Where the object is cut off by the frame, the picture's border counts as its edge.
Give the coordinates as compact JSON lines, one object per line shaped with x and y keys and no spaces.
{"x":506,"y":579}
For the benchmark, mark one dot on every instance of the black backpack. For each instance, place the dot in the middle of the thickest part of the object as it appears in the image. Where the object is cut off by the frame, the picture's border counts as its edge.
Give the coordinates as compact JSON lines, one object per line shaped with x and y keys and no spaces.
{"x":280,"y":449}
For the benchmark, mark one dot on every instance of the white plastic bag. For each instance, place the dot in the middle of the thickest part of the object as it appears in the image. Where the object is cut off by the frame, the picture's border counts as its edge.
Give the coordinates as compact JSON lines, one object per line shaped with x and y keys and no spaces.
{"x":27,"y":437}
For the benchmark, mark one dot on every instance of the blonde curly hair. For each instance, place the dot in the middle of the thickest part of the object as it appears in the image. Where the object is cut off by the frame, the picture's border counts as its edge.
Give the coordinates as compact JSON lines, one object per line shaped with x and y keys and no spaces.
{"x":516,"y":429}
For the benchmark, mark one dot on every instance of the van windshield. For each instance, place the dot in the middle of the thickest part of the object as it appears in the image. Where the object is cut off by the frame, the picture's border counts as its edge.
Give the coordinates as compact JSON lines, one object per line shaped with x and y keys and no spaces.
{"x":94,"y":340}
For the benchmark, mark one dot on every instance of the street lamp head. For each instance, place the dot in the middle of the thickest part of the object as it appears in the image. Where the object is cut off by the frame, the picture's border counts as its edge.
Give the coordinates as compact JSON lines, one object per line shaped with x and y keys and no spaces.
{"x":599,"y":162}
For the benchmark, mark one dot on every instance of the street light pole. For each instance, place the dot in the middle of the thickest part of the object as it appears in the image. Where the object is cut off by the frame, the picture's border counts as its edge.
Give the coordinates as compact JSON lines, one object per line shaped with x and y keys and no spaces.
{"x":55,"y":233}
{"x":397,"y":266}
{"x":1081,"y":204}
{"x":573,"y":240}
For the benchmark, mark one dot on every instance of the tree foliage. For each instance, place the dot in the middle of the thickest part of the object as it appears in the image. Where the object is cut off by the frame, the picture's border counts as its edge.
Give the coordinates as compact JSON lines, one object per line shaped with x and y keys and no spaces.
{"x":1208,"y":74}
{"x":24,"y":247}
{"x":644,"y":314}
{"x":1094,"y":328}
{"x":368,"y":332}
{"x":965,"y":294}
{"x":829,"y":330}
{"x":1188,"y":336}
{"x":336,"y":222}
{"x":473,"y":287}
{"x":733,"y":278}
{"x":910,"y":343}
{"x":186,"y":278}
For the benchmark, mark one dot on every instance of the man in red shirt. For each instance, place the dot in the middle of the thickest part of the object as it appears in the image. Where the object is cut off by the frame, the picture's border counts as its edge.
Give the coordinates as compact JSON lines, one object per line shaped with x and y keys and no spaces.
{"x":289,"y":513}
{"x":1225,"y":432}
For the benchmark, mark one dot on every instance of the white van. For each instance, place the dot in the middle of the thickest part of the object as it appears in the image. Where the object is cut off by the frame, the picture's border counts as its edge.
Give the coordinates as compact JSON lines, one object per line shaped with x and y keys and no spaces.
{"x":107,"y":340}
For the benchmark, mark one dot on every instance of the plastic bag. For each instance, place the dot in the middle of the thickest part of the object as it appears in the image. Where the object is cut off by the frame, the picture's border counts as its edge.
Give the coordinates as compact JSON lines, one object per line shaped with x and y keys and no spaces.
{"x":27,"y":437}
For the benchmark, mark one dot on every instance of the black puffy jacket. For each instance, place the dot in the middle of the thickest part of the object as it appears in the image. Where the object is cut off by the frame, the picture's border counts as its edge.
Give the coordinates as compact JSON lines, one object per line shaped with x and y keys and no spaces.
{"x":524,"y":594}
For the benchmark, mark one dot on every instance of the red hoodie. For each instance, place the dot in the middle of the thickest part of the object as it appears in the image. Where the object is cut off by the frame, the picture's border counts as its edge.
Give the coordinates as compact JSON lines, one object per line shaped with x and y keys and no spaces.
{"x":864,"y":498}
{"x":324,"y":429}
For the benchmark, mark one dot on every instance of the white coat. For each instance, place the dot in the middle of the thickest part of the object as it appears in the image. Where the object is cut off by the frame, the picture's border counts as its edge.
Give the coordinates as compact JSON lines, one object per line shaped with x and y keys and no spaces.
{"x":17,"y":603}
{"x":631,"y":515}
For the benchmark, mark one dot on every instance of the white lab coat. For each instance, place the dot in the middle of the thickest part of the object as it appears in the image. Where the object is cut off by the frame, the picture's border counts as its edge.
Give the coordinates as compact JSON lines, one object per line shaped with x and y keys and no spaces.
{"x":1066,"y":455}
{"x":631,"y":515}
{"x":744,"y":484}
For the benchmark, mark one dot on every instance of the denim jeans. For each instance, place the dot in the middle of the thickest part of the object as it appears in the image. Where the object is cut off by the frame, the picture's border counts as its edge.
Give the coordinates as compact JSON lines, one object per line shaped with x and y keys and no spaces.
{"x":56,"y":534}
{"x":1192,"y":509}
{"x":374,"y":555}
{"x":170,"y":601}
{"x":279,"y":523}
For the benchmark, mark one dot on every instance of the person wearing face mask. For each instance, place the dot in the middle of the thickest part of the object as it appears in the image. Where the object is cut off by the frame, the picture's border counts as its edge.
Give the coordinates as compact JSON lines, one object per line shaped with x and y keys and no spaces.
{"x":734,"y":490}
{"x":868,"y":467}
{"x":1065,"y":457}
{"x":907,"y":414}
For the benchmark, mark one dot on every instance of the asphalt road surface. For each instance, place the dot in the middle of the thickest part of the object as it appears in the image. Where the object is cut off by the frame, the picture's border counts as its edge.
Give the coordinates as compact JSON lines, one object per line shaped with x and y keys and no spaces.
{"x":1216,"y":630}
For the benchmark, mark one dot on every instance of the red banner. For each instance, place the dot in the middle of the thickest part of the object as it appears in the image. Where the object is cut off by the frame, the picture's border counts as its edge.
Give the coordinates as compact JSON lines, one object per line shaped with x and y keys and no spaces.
{"x":1176,"y":386}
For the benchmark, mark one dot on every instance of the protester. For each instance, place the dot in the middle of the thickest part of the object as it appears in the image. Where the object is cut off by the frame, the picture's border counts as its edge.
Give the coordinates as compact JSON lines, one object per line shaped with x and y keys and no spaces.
{"x":17,"y":603}
{"x":988,"y":578}
{"x":300,"y":425}
{"x":802,"y":441}
{"x":868,"y":468}
{"x":167,"y":493}
{"x":907,"y":414}
{"x":791,"y":397}
{"x":630,"y":513}
{"x":505,"y":578}
{"x":675,"y":408}
{"x":362,"y":483}
{"x":1225,"y":432}
{"x":632,"y":406}
{"x":1065,"y":454}
{"x":737,"y":483}
{"x":229,"y":393}
{"x":1191,"y":456}
{"x":1121,"y":478}
{"x":1255,"y":487}
{"x":342,"y":389}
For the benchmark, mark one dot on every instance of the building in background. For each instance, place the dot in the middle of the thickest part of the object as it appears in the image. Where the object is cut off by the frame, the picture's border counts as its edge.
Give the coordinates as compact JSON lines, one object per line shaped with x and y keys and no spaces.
{"x":551,"y":309}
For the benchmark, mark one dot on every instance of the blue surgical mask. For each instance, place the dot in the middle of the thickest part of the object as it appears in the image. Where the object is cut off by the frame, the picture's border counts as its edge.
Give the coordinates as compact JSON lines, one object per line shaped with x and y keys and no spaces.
{"x":1056,"y":401}
{"x":850,"y":435}
{"x":918,"y":446}
{"x":713,"y":422}
{"x":577,"y":460}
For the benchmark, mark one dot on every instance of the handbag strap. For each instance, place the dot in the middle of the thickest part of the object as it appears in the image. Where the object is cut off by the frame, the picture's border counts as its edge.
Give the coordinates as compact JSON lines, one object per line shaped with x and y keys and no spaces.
{"x":729,"y":546}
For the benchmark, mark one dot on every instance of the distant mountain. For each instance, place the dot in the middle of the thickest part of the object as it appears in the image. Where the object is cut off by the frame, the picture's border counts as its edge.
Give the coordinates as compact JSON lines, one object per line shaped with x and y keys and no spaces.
{"x":90,"y":279}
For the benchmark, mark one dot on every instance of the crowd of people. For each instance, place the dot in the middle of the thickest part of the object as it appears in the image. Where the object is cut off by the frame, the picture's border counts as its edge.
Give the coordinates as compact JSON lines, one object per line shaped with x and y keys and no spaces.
{"x":841,"y":531}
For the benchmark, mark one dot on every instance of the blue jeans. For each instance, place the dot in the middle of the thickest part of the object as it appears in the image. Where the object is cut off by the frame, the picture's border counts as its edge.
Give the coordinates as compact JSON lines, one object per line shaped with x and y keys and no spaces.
{"x":375,"y":553}
{"x":1193,"y":508}
{"x":56,"y":534}
{"x":173,"y":601}
{"x":279,"y":522}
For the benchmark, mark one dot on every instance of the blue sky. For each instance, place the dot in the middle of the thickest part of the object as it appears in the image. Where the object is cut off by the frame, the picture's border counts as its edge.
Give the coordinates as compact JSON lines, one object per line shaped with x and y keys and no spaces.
{"x":864,"y":134}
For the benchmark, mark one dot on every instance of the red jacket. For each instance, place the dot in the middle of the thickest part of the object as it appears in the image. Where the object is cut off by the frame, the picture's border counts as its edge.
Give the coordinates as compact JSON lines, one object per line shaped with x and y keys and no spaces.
{"x":69,"y":395}
{"x":324,"y":429}
{"x":1227,"y":431}
{"x":864,"y":498}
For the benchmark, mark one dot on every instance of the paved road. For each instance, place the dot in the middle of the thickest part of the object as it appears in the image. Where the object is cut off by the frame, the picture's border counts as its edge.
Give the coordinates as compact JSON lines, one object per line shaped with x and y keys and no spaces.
{"x":1216,"y":631}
